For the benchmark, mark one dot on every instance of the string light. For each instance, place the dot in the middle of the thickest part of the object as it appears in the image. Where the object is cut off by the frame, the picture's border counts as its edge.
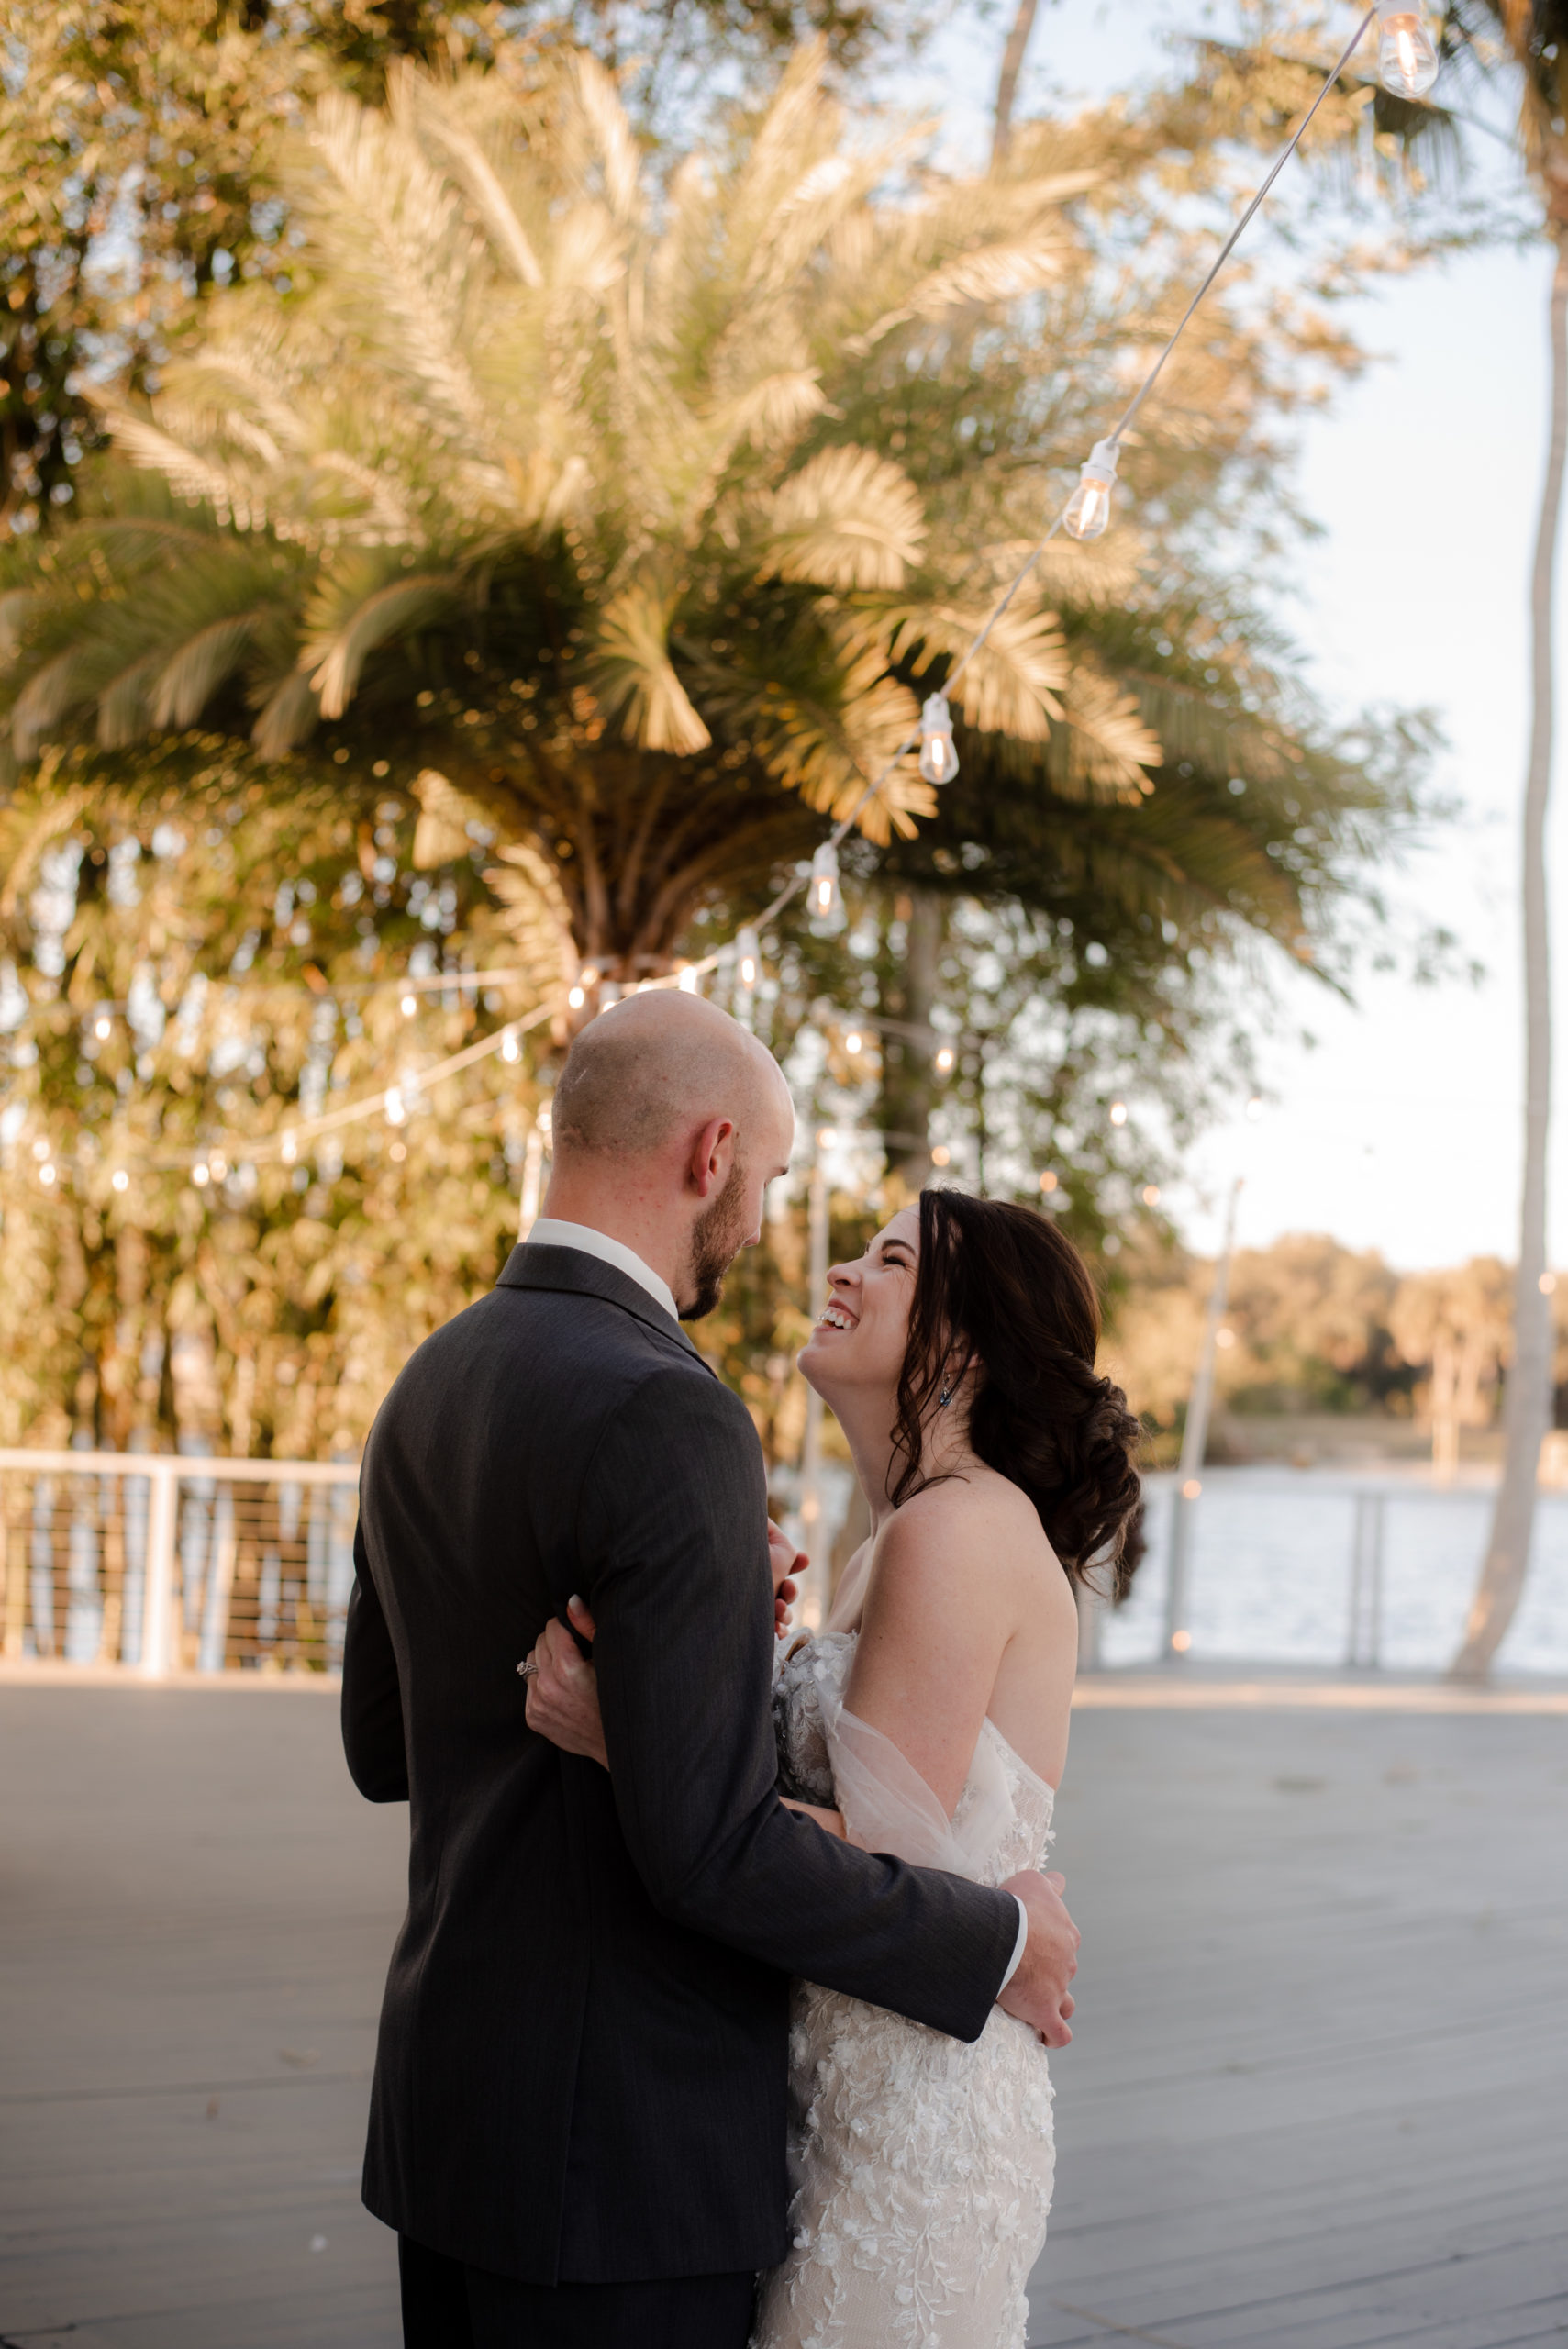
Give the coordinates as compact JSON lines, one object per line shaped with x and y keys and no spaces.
{"x":409,"y":1006}
{"x":218,"y":1165}
{"x":393,"y":1104}
{"x":1151,"y":1194}
{"x":1407,"y":62}
{"x":939,"y":759}
{"x":288,"y":1149}
{"x":1254,"y":1110}
{"x":825,"y":899}
{"x":103,"y":1028}
{"x":1547,"y":1284}
{"x":1089,"y":507}
{"x":853,"y":1040}
{"x":510,"y":1048}
{"x":747,"y":957}
{"x":576,"y":998}
{"x":1119,"y":1113}
{"x":689,"y":979}
{"x":46,"y":1173}
{"x":201,"y":1174}
{"x":120,"y":1179}
{"x":1048,"y":1182}
{"x":944,"y":1060}
{"x":40,"y":1150}
{"x":941,"y":1155}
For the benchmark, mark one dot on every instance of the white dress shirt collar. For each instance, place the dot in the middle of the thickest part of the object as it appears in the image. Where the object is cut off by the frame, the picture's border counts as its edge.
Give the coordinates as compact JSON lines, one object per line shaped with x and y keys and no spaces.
{"x":553,"y":1231}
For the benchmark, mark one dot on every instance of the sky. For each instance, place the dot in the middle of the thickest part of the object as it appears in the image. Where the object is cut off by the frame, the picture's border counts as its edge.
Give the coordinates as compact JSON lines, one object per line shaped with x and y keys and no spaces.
{"x":1399,"y":1128}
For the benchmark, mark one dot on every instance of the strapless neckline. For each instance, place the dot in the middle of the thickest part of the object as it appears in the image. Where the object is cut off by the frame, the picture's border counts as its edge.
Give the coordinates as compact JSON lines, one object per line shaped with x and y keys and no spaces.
{"x":1046,"y":1791}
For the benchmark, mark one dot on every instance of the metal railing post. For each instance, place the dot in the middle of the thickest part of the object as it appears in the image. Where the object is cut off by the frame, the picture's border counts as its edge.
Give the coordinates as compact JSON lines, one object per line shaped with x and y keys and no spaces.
{"x":1363,"y":1630}
{"x":158,"y":1581}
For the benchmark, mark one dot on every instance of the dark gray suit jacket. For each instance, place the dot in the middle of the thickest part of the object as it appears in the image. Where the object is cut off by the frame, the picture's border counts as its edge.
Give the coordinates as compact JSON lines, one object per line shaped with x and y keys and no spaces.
{"x":581,"y":2070}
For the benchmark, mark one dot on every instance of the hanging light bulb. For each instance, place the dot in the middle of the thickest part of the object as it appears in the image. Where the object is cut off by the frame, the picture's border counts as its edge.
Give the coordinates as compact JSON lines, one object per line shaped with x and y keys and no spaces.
{"x":853,"y":1040}
{"x":409,"y":1007}
{"x":576,"y":998}
{"x":200,"y":1176}
{"x":46,"y":1173}
{"x":288,"y":1149}
{"x":1089,"y":507}
{"x":120,"y":1179}
{"x":747,"y":957}
{"x":510,"y":1048}
{"x":689,"y":980}
{"x":944,"y":1060}
{"x":825,"y":899}
{"x":1407,"y":62}
{"x":392,"y":1103}
{"x":1119,"y":1113}
{"x":939,"y":759}
{"x":103,"y":1028}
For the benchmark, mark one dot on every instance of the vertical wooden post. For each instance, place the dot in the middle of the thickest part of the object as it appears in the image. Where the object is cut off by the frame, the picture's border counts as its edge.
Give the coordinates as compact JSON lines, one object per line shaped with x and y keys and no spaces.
{"x":158,"y":1582}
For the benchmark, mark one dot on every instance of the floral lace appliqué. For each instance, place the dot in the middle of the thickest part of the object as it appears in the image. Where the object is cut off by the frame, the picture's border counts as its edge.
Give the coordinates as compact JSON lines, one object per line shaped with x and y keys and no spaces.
{"x":923,"y":2167}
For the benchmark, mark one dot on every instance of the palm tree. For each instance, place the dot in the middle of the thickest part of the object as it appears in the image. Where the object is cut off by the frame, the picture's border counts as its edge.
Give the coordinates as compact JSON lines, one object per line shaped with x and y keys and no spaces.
{"x":542,"y":486}
{"x":639,"y":515}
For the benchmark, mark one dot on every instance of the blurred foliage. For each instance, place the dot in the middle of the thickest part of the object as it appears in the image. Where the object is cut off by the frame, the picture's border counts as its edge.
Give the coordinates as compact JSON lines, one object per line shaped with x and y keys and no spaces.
{"x":1313,"y":1326}
{"x":183,"y":972}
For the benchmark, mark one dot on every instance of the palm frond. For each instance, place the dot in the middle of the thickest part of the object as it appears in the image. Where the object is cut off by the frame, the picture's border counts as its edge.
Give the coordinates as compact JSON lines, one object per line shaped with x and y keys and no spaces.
{"x":848,"y":519}
{"x":633,"y":677}
{"x":353,"y":611}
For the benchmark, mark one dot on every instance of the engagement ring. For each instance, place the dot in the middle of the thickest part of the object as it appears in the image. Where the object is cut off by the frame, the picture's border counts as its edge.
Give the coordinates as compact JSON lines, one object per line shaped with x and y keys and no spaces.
{"x":528,"y":1668}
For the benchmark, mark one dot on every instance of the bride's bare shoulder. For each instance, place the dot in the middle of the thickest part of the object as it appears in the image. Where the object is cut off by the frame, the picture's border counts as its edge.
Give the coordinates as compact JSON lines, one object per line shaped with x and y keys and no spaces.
{"x":978,"y":1522}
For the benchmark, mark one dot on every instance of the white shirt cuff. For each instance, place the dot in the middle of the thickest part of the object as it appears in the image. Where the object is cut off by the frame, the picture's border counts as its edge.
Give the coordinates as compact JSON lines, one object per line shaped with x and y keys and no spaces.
{"x":1017,"y":1958}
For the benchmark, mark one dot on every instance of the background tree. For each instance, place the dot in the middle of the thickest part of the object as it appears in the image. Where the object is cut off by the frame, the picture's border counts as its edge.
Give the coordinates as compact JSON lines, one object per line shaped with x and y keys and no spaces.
{"x":1456,"y":1327}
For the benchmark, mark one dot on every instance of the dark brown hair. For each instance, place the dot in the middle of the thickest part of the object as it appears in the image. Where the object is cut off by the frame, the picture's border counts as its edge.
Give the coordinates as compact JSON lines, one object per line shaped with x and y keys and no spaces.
{"x":999,"y":1291}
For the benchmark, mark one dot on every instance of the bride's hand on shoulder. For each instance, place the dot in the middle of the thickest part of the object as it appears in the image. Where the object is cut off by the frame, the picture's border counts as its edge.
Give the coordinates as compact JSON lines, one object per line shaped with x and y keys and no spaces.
{"x":563,"y":1702}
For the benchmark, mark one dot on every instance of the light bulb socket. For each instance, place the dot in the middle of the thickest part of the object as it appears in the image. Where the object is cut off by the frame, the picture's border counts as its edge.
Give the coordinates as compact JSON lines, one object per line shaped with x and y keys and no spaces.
{"x":1100,"y":464}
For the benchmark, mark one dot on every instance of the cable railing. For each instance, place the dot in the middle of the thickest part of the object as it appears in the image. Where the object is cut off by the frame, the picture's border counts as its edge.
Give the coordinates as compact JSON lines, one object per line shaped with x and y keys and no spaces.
{"x":163,"y":1563}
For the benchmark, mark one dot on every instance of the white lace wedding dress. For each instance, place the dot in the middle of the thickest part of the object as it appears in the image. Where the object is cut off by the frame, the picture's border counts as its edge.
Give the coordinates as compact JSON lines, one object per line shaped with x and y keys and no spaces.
{"x":922,"y":2167}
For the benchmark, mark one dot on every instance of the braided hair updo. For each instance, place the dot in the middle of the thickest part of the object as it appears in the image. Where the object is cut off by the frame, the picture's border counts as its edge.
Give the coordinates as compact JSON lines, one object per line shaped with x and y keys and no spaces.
{"x":1000,"y":1293}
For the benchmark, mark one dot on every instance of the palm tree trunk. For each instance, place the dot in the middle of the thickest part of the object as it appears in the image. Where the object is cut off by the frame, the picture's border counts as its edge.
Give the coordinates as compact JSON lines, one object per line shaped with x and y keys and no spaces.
{"x":1527,"y":1409}
{"x":1007,"y":81}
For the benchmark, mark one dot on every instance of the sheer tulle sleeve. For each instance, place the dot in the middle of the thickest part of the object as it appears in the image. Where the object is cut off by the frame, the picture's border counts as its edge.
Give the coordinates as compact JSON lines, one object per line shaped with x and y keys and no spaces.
{"x":888,"y":1807}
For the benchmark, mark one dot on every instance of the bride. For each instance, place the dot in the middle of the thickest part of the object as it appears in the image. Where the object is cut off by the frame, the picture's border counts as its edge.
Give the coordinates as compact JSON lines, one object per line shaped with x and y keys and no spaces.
{"x":929,"y":1719}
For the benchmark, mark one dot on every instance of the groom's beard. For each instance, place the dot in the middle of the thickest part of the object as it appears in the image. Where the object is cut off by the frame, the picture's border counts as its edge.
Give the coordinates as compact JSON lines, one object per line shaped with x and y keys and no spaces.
{"x":717,"y":1237}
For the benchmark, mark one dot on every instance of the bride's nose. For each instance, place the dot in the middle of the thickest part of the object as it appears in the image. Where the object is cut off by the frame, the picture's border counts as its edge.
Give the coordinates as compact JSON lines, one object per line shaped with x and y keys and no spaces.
{"x":842,"y":1277}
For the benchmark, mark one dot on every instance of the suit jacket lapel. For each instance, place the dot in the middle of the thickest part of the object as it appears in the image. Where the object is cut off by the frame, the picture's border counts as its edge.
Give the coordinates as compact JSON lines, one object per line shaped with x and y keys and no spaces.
{"x":533,"y":1265}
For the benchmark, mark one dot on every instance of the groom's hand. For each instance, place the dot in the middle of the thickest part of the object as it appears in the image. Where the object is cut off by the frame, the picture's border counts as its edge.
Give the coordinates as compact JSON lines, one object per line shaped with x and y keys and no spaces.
{"x":1038,"y":1991}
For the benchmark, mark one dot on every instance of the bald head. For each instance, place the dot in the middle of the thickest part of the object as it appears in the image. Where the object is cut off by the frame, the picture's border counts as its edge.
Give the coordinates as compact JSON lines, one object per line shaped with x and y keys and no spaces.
{"x":657,"y":1067}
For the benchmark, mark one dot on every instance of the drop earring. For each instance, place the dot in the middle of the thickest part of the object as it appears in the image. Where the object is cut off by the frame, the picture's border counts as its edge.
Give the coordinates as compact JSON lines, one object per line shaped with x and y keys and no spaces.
{"x":944,"y":1398}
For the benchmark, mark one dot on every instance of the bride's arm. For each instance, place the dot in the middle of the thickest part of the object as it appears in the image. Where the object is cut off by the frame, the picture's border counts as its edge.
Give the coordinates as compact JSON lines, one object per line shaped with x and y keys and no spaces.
{"x":937,"y":1615}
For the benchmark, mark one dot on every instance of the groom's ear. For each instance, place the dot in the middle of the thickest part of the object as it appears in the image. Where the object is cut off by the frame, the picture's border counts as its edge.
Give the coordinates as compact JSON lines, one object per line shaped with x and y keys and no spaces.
{"x":713,"y":1155}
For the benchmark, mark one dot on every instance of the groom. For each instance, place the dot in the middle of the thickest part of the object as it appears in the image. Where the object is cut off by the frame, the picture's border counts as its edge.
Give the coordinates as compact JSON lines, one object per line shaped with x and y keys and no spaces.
{"x":577,"y":2121}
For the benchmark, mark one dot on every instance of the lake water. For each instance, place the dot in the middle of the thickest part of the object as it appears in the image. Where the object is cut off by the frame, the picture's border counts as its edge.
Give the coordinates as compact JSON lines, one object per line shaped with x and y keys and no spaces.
{"x":1271,"y":1569}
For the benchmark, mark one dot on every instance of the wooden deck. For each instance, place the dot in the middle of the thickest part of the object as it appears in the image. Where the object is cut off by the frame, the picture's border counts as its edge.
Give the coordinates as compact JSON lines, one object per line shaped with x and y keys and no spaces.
{"x":1318,"y":2098}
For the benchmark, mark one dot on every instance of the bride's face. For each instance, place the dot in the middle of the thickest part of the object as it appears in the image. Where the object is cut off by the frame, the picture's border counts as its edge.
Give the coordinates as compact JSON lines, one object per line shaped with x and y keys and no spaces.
{"x":859,"y":1339}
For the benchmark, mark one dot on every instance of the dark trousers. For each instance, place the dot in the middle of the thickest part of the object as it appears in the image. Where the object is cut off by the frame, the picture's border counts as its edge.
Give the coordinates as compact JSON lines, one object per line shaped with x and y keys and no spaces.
{"x":449,"y":2306}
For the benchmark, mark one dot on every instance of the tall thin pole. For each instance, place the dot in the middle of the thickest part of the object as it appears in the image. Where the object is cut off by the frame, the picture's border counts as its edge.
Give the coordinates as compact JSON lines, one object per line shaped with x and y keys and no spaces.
{"x":1527,"y":1398}
{"x":812,"y":1606}
{"x":1194,"y":1442}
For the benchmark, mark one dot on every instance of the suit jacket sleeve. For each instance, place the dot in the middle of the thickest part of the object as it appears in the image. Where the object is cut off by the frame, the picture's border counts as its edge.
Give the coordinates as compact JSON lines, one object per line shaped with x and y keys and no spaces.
{"x":672,"y":1547}
{"x":372,"y":1697}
